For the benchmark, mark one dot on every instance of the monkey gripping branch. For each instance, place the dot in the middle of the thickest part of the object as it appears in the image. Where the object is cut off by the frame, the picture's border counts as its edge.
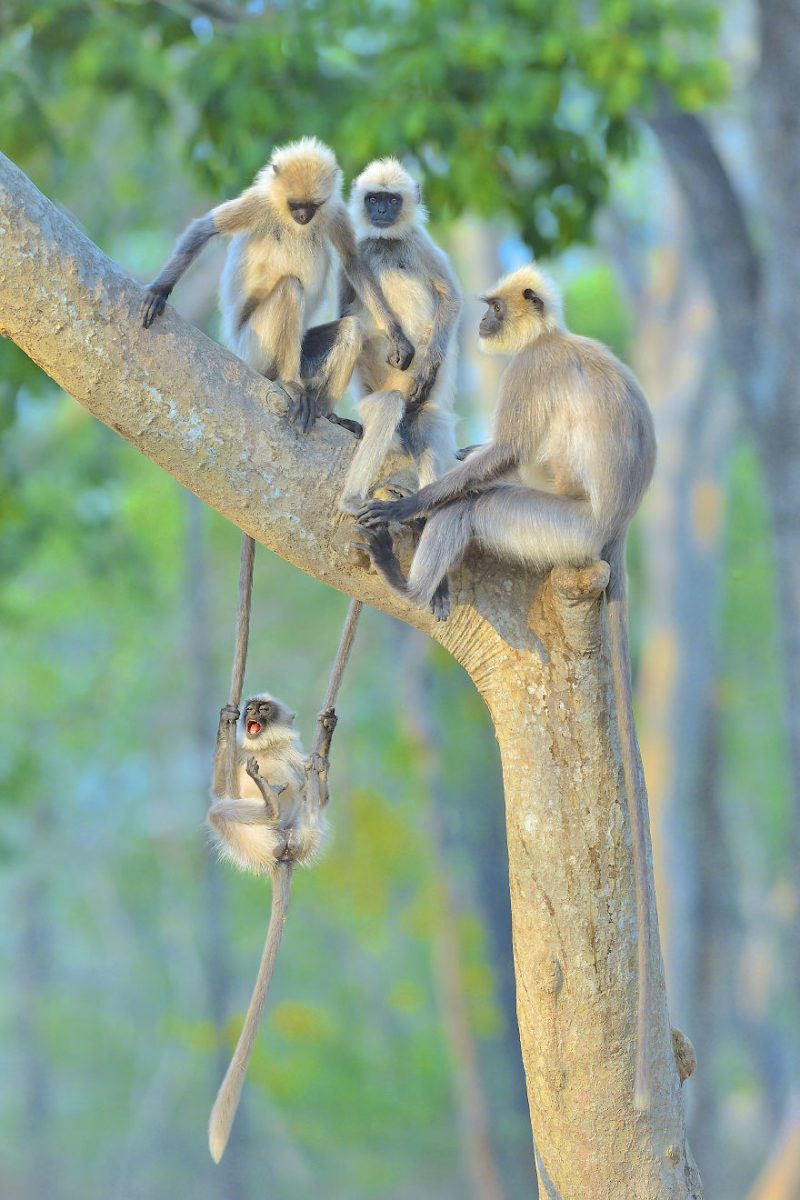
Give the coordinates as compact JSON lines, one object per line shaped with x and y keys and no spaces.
{"x":535,"y":649}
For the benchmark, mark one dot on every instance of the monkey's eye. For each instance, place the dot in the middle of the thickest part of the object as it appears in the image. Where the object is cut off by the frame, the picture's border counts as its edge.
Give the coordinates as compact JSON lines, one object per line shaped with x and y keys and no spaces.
{"x":395,"y":200}
{"x":496,"y":307}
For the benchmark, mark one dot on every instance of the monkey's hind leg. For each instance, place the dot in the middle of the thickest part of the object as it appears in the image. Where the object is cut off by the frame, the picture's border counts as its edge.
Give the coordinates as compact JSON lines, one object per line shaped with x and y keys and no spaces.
{"x":432,"y":443}
{"x":329,"y":356}
{"x":447,"y":533}
{"x":381,"y":413}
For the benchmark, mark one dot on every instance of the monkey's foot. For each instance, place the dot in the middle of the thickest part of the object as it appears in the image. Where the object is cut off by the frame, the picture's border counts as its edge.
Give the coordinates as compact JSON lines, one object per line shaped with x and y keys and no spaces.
{"x":381,"y":512}
{"x":440,"y":602}
{"x":302,"y":405}
{"x":355,"y":427}
{"x":328,"y":719}
{"x":396,"y":491}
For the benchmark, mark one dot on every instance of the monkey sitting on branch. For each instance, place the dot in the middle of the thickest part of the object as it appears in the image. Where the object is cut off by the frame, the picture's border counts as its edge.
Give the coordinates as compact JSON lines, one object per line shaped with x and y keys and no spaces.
{"x":284,"y":227}
{"x":572,"y":454}
{"x":413,"y":410}
{"x":273,"y":823}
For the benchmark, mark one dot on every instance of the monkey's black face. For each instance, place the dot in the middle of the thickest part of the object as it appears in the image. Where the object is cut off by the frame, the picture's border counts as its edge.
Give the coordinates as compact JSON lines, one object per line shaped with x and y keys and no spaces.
{"x":383,"y":208}
{"x":258,"y":715}
{"x":493,"y":319}
{"x":303,"y":211}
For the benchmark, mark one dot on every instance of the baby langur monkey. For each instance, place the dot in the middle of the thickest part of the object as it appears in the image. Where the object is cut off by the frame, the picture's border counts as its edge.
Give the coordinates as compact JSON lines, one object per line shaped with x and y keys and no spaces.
{"x":413,"y":410}
{"x":571,"y":457}
{"x":284,"y":227}
{"x":271,"y":826}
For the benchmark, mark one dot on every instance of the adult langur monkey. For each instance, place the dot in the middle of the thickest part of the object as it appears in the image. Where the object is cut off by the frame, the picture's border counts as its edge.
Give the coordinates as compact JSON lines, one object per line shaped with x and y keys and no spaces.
{"x":284,"y":227}
{"x":571,"y":457}
{"x":274,"y":824}
{"x":413,"y":410}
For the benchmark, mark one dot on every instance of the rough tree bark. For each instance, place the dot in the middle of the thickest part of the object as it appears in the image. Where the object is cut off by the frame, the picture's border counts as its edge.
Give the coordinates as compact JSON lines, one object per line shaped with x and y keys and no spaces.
{"x":534,"y":648}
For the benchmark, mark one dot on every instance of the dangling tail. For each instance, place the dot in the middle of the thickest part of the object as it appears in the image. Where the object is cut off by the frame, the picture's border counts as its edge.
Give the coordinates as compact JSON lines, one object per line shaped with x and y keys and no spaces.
{"x":227,"y":1101}
{"x":617,"y":598}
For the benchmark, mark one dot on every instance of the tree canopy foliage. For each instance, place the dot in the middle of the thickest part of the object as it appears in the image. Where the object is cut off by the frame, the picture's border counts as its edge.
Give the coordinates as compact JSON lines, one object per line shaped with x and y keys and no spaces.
{"x":517,"y":107}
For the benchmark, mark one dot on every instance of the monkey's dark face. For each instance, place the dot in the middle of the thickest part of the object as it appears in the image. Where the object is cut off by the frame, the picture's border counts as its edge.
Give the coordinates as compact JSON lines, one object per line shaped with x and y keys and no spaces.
{"x":494,"y":318}
{"x":303,"y":211}
{"x":265,"y":718}
{"x":383,"y":208}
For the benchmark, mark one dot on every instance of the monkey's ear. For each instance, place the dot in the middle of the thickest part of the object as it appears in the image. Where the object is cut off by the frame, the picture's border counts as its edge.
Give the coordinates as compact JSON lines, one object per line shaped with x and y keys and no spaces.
{"x":536,"y":301}
{"x":419,"y":193}
{"x":275,"y":169}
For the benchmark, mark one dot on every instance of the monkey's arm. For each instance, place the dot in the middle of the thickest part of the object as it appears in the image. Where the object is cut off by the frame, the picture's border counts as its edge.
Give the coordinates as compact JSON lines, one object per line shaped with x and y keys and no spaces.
{"x":365,"y":286}
{"x":448,"y":308}
{"x":269,"y":791}
{"x":480,"y":469}
{"x":318,"y":760}
{"x":226,"y":730}
{"x":347,"y":294}
{"x":233,"y":216}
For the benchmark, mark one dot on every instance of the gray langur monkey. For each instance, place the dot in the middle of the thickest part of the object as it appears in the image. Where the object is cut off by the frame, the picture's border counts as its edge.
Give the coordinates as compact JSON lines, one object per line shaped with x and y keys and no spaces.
{"x":284,"y":227}
{"x":412,"y":410}
{"x":271,"y":826}
{"x":572,"y":454}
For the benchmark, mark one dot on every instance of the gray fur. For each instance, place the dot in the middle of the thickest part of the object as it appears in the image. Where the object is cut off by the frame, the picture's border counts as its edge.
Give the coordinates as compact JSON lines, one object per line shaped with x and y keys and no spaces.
{"x":415,"y":276}
{"x":186,"y":251}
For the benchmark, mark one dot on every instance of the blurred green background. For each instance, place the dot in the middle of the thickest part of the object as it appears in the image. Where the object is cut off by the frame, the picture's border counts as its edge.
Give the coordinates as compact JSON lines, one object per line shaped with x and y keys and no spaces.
{"x":389,"y":1062}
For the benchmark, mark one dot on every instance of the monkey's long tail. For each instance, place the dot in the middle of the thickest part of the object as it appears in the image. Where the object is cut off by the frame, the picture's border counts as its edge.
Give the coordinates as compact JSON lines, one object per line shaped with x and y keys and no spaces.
{"x":227,"y":1101}
{"x":617,"y":598}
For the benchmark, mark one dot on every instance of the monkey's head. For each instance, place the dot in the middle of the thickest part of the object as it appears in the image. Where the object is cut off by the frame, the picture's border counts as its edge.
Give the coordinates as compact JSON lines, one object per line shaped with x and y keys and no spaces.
{"x":385,"y":201}
{"x":265,"y":720}
{"x":519,"y":309}
{"x":301,"y":177}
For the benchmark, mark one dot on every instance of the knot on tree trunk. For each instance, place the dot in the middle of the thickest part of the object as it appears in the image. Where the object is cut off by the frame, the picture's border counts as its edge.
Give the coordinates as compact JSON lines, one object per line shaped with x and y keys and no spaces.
{"x":567,"y":607}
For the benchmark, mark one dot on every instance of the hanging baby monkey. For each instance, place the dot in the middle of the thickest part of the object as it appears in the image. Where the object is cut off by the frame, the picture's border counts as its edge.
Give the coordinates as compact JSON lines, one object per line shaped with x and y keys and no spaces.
{"x":284,"y":227}
{"x":412,"y":409}
{"x":267,"y":816}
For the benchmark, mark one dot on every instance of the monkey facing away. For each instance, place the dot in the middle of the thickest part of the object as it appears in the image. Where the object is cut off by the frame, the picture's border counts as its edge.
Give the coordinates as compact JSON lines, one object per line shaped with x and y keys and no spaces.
{"x":274,"y":824}
{"x":283,"y":228}
{"x":412,"y":409}
{"x":572,"y":454}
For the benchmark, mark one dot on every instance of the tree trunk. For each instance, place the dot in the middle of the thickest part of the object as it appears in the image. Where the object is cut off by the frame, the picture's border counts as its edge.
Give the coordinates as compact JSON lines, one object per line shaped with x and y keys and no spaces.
{"x":534,"y":650}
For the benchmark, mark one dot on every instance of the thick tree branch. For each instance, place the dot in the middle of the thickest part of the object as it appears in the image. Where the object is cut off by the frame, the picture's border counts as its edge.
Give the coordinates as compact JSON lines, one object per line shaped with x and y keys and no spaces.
{"x":536,"y":653}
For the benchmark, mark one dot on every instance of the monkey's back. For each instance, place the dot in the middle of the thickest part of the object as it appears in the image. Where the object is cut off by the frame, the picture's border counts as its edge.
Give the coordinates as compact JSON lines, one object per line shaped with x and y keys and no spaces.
{"x":578,"y":417}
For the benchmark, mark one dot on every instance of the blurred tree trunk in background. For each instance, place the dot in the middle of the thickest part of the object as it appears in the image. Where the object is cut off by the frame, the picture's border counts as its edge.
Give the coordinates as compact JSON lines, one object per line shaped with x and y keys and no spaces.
{"x":755,"y":281}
